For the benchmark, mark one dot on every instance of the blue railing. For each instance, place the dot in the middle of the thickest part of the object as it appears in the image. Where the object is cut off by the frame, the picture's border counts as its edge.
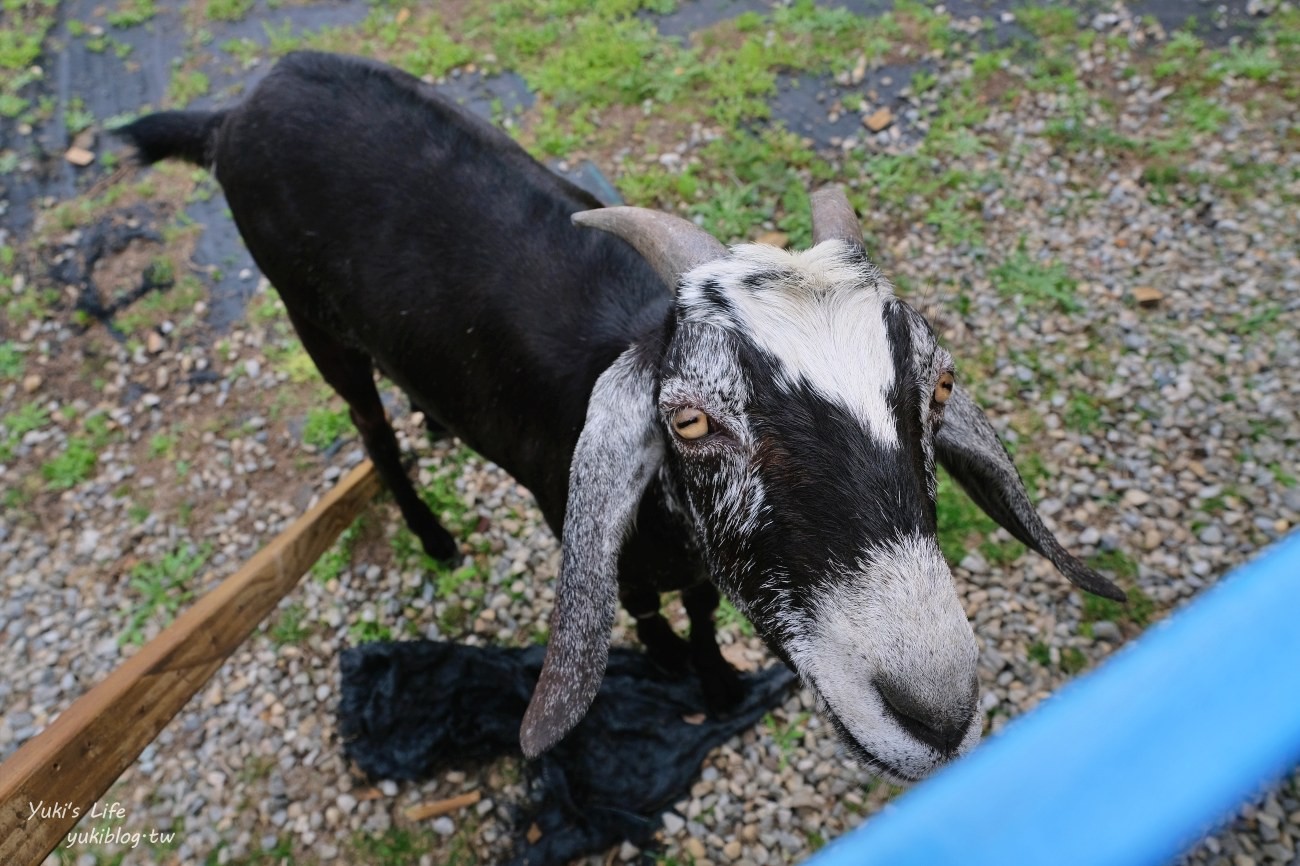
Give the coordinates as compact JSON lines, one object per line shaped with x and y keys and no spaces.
{"x":1131,"y":764}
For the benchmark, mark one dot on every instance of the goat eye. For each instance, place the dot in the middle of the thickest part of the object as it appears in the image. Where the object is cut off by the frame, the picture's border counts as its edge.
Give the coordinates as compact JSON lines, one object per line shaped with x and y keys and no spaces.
{"x":943,"y":389}
{"x":690,"y":423}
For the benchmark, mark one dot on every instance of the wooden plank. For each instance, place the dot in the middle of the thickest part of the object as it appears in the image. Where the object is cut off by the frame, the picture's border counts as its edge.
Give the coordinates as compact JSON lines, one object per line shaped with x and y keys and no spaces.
{"x":75,"y":760}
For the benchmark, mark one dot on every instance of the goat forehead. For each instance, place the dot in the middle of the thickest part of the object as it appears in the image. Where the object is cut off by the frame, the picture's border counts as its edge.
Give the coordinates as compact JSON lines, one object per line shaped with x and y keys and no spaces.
{"x":820,"y":316}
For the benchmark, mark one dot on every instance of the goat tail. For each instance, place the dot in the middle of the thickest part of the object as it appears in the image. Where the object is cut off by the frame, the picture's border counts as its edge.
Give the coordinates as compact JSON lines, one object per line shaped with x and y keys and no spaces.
{"x":187,"y":135}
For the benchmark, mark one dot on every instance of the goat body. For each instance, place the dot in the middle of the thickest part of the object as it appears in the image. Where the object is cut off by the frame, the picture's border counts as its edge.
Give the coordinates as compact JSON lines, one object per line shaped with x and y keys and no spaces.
{"x":770,"y":427}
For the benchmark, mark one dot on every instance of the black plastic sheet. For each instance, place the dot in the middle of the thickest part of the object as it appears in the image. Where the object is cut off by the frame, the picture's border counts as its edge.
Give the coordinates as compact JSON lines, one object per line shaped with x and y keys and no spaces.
{"x":411,"y":709}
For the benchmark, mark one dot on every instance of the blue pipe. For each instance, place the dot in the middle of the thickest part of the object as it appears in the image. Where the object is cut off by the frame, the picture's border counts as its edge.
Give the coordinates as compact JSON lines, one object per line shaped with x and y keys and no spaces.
{"x":1131,"y":764}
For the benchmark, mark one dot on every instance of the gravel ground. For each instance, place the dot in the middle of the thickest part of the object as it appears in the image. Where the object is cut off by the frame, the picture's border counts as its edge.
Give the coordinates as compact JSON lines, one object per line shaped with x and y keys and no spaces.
{"x":1168,"y":453}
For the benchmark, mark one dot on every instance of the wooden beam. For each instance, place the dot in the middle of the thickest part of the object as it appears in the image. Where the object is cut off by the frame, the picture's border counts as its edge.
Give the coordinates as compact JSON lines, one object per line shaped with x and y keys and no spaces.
{"x":75,"y":760}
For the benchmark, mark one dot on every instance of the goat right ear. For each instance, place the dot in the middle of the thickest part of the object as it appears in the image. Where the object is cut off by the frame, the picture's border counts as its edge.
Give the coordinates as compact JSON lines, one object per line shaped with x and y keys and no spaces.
{"x":969,"y":448}
{"x":619,"y":451}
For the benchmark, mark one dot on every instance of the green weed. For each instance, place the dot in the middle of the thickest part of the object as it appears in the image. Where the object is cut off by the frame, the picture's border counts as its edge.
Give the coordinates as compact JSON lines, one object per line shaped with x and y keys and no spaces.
{"x":132,"y":13}
{"x":364,"y":631}
{"x":325,"y":426}
{"x":163,"y":587}
{"x":1082,"y":413}
{"x":186,"y":86}
{"x":228,"y":10}
{"x":1037,"y":282}
{"x":11,"y":361}
{"x":730,"y":618}
{"x":1073,"y":660}
{"x":395,"y":846}
{"x":786,"y":736}
{"x":961,"y":521}
{"x":290,"y":628}
{"x":332,"y":562}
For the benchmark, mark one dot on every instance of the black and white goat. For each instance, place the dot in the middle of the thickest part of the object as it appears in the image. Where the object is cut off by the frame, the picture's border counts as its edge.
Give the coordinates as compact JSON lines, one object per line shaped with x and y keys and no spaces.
{"x":688,"y":417}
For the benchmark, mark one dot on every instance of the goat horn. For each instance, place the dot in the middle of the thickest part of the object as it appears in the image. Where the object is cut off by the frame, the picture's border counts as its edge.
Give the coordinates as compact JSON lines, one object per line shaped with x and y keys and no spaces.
{"x":670,"y":244}
{"x":833,"y":217}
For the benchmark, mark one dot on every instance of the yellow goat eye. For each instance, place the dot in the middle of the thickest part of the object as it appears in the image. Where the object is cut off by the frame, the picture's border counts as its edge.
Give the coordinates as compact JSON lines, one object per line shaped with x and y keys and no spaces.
{"x":943,"y":388}
{"x":690,"y":424}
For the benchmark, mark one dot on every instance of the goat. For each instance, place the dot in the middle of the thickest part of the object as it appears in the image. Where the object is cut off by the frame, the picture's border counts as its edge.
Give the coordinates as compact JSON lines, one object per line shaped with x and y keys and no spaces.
{"x":688,"y":417}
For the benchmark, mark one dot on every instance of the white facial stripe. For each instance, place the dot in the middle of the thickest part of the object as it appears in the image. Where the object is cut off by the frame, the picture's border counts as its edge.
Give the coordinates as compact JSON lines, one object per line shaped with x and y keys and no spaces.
{"x":897,"y":617}
{"x":819,"y":313}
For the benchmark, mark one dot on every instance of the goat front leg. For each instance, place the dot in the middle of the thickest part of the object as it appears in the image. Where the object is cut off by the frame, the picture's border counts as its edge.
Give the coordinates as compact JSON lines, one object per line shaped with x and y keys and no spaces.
{"x":663,"y":645}
{"x":721,"y":684}
{"x":350,"y":373}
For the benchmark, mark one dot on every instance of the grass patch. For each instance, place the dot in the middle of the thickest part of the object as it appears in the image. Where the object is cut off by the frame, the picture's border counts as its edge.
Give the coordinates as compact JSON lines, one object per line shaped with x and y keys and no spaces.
{"x":25,"y":419}
{"x":961,"y":522}
{"x":1037,"y":282}
{"x":325,"y":426}
{"x":11,"y":361}
{"x":339,"y":556}
{"x":290,"y":627}
{"x":79,"y":456}
{"x":786,"y":736}
{"x":730,"y":618}
{"x":1141,"y":608}
{"x":163,"y":587}
{"x":132,"y":13}
{"x":229,"y":10}
{"x":396,"y":846}
{"x":186,"y":86}
{"x":1073,"y":660}
{"x":1083,"y":414}
{"x":369,"y":631}
{"x":279,"y":854}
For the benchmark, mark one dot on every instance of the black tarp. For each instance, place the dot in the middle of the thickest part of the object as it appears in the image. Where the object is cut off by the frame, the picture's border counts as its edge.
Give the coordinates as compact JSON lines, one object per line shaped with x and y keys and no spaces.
{"x":411,"y":709}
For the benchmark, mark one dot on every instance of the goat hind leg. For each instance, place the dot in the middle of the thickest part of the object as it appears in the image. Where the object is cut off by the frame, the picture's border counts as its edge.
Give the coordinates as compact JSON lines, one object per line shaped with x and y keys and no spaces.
{"x":350,"y":373}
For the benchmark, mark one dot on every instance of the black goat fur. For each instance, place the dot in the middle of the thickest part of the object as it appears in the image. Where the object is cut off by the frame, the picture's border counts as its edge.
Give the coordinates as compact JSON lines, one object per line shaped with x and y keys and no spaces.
{"x":406,"y":234}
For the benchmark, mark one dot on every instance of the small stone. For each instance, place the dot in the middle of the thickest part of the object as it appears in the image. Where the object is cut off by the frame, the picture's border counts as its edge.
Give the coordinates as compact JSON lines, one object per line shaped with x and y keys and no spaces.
{"x":1107,"y":631}
{"x":1135,"y":498}
{"x":878,"y":119}
{"x":732,"y":850}
{"x":443,"y":826}
{"x":673,"y":823}
{"x":79,"y":156}
{"x":695,"y":848}
{"x":154,"y":343}
{"x":31,"y":383}
{"x":1148,"y":296}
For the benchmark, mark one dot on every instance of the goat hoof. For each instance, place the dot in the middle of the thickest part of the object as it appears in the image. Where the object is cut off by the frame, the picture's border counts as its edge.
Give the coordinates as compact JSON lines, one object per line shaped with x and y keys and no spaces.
{"x":671,"y":657}
{"x":723,"y":691}
{"x":441,"y":546}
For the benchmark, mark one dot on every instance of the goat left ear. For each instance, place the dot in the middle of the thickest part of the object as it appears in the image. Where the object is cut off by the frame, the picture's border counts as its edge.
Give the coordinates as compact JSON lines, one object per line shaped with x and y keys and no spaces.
{"x":620,"y":449}
{"x":969,"y":448}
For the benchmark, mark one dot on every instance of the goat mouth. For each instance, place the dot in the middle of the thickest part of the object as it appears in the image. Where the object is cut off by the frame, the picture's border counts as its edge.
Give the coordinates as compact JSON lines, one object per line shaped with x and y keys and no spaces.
{"x":860,"y":753}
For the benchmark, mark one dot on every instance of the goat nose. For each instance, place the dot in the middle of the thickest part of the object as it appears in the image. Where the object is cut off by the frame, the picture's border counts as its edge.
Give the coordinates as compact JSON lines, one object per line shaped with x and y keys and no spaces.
{"x":941,"y":729}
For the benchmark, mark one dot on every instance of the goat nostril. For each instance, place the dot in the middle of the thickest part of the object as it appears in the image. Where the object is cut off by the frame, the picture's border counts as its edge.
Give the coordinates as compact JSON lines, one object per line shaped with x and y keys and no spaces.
{"x":943,"y":732}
